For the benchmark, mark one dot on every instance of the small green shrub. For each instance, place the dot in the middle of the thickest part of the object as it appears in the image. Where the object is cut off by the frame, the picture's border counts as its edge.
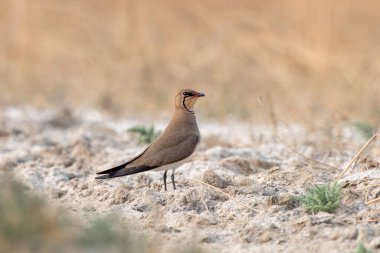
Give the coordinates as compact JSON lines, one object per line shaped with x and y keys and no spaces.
{"x":362,"y":249}
{"x":146,"y":134}
{"x":321,"y":198}
{"x":365,"y":129}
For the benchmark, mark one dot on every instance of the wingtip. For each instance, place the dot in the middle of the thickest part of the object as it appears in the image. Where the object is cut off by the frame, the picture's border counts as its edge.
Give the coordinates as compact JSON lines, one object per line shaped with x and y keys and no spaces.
{"x":103,"y":172}
{"x":103,"y":177}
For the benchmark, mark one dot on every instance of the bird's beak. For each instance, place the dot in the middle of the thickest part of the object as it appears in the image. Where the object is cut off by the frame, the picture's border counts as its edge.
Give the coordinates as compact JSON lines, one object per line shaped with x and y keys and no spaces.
{"x":200,"y":94}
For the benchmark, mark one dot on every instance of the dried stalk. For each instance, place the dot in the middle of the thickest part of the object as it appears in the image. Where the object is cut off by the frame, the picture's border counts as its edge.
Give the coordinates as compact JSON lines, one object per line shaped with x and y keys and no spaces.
{"x":372,"y":201}
{"x":356,"y":156}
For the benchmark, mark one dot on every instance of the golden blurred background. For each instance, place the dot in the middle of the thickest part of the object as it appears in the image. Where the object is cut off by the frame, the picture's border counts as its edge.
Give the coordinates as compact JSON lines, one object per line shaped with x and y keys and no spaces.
{"x":304,"y":57}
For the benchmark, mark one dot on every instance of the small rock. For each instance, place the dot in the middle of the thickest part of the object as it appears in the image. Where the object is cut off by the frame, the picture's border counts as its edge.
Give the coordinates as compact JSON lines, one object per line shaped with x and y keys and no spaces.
{"x":241,"y":180}
{"x":375,"y":243}
{"x":259,"y":163}
{"x":84,"y":186}
{"x":284,"y":199}
{"x":272,"y":200}
{"x":375,"y":193}
{"x":213,"y":179}
{"x":71,"y":175}
{"x":64,"y":118}
{"x":86,"y":193}
{"x":184,"y":200}
{"x":59,"y":194}
{"x":148,"y":201}
{"x":69,"y":162}
{"x":321,"y":218}
{"x":301,"y":222}
{"x":120,"y":197}
{"x":210,"y":238}
{"x":270,"y":190}
{"x":265,"y":237}
{"x":192,"y":201}
{"x":237,"y":164}
{"x":205,"y":219}
{"x":169,"y":230}
{"x":89,"y":209}
{"x":142,"y":207}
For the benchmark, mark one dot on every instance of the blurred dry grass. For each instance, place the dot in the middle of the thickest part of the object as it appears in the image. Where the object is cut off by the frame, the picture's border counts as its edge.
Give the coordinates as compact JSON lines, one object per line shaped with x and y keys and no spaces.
{"x":308,"y":56}
{"x":29,"y":224}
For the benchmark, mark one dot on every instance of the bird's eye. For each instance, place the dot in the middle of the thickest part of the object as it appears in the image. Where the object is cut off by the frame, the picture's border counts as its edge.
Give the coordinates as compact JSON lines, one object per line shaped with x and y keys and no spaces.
{"x":186,"y":94}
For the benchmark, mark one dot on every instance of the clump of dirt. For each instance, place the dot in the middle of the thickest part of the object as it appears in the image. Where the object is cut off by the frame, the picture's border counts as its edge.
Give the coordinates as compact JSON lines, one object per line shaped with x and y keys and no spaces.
{"x":60,"y":160}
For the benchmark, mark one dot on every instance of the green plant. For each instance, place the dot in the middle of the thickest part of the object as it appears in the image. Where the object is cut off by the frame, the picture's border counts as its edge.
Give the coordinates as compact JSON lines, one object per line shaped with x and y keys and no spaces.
{"x":365,"y":129}
{"x":145,"y":134}
{"x":362,"y":249}
{"x":321,"y":198}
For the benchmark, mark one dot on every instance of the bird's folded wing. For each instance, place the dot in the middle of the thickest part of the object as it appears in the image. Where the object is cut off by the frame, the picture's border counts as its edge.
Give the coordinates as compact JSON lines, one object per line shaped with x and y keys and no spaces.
{"x":174,"y":148}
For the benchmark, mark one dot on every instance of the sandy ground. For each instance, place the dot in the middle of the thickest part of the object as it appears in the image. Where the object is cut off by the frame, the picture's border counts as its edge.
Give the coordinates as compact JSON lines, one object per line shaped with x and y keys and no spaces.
{"x":57,"y":153}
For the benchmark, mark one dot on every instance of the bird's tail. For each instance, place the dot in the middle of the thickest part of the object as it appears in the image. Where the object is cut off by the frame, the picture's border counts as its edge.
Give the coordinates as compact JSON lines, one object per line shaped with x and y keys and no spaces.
{"x":114,"y":169}
{"x":120,"y":171}
{"x":108,"y":173}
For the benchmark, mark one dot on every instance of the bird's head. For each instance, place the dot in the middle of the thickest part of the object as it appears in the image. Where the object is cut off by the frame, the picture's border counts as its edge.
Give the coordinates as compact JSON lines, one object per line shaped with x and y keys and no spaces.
{"x":186,"y":99}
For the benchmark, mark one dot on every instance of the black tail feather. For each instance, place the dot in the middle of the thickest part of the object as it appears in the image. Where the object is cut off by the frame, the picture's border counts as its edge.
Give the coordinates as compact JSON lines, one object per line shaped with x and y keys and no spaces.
{"x":120,"y":171}
{"x":114,"y":169}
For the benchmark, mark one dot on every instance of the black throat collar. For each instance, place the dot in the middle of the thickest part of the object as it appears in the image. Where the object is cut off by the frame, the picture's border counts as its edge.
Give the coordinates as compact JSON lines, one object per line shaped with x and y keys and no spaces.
{"x":184,"y":105}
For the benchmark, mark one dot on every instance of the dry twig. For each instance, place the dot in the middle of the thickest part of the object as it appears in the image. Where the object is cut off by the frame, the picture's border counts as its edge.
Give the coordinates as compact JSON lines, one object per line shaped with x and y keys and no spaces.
{"x":372,"y":201}
{"x":371,"y":220}
{"x":269,"y":113}
{"x":374,"y":220}
{"x":356,"y":156}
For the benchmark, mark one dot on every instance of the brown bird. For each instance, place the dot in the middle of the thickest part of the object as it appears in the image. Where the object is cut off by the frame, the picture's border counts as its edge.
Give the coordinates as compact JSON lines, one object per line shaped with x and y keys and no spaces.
{"x":172,"y":148}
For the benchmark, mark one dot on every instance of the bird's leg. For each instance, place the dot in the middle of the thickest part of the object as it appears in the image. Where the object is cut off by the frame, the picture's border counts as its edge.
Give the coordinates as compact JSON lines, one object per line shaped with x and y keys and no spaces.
{"x":172,"y":177}
{"x":165,"y":180}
